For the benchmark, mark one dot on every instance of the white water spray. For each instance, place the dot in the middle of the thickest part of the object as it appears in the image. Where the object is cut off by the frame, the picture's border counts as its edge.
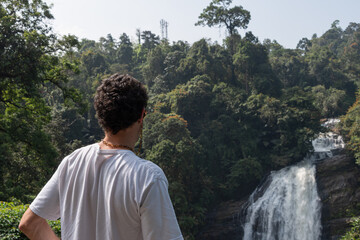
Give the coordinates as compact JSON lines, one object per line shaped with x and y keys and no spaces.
{"x":287,"y":205}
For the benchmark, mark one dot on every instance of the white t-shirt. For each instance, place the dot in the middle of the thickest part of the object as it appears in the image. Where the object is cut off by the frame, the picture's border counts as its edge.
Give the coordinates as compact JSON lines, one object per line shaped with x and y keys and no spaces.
{"x":108,"y":195}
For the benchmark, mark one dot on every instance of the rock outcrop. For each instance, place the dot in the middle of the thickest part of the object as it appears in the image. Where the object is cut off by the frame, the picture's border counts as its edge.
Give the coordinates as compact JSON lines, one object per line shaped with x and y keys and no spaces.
{"x":338,"y":181}
{"x":224,"y":222}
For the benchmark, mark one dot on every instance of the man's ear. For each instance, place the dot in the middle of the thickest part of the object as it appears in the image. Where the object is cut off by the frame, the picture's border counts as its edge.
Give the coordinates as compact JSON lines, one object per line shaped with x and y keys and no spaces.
{"x":143,"y":114}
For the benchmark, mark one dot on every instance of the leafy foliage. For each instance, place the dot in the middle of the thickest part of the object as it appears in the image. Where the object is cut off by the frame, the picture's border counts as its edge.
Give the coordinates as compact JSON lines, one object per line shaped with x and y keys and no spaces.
{"x":354,"y":232}
{"x":31,"y":60}
{"x":219,"y":13}
{"x":350,"y":126}
{"x":10,"y":215}
{"x":330,"y":102}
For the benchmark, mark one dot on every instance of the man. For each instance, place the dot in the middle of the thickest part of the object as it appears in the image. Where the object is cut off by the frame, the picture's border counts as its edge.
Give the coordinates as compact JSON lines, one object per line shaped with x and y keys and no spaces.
{"x":104,"y":191}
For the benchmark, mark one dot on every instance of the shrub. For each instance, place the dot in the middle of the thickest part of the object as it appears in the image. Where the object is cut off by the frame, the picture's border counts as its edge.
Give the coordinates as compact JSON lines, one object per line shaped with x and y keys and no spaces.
{"x":354,"y":232}
{"x":10,"y":215}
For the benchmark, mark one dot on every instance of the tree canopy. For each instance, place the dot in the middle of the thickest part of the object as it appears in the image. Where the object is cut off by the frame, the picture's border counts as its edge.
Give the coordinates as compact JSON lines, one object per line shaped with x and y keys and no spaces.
{"x":30,"y":65}
{"x":219,"y":13}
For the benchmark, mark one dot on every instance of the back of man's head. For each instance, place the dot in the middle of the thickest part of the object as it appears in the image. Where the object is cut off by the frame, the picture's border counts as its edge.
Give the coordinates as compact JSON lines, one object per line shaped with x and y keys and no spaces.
{"x":119,"y":102}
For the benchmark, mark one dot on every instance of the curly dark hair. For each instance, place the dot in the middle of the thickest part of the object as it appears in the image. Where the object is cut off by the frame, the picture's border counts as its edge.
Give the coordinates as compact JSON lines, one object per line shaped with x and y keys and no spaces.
{"x":119,"y":102}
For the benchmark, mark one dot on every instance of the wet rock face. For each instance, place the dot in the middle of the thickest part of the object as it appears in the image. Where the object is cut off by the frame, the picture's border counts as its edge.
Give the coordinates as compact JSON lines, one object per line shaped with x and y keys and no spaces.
{"x":338,"y":181}
{"x":223,"y":222}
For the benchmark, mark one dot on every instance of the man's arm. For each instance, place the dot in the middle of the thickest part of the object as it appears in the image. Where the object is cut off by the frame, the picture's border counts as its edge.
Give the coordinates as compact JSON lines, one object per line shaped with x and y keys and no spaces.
{"x":35,"y":227}
{"x":158,"y":219}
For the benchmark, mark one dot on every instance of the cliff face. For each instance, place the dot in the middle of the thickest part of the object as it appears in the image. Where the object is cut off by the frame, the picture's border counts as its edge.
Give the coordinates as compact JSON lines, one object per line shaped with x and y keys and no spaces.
{"x":224,"y":222}
{"x":338,"y":181}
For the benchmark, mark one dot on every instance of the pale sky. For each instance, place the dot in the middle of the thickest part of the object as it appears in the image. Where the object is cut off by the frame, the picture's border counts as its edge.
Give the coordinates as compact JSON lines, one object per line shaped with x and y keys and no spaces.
{"x":286,"y":21}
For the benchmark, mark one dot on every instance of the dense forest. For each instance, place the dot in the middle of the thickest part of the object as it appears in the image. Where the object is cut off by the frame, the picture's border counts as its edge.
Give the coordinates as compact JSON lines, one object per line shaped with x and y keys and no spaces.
{"x":220,"y":116}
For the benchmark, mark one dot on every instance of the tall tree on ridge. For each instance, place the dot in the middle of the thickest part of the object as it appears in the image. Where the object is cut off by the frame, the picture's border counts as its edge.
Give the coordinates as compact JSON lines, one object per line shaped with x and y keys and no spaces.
{"x":219,"y":13}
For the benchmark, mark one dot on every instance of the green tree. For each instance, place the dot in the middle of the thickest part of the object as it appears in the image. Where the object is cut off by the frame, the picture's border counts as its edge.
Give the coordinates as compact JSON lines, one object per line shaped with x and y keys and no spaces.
{"x":150,"y":40}
{"x":94,"y":62}
{"x":171,"y":64}
{"x":350,"y":126}
{"x":304,"y":44}
{"x":108,"y":45}
{"x":30,"y":60}
{"x":290,"y":67}
{"x":192,"y":101}
{"x":332,"y":38}
{"x":351,"y":55}
{"x":168,"y":143}
{"x":197,"y":62}
{"x":330,"y":102}
{"x":221,"y":64}
{"x":125,"y":51}
{"x":153,"y":66}
{"x":252,"y":68}
{"x":219,"y":13}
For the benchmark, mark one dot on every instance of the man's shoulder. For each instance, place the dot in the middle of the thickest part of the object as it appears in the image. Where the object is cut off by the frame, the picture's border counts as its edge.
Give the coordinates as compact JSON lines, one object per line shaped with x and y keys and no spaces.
{"x":90,"y":147}
{"x":79,"y":153}
{"x":152,"y":167}
{"x":83,"y":150}
{"x":149,"y":168}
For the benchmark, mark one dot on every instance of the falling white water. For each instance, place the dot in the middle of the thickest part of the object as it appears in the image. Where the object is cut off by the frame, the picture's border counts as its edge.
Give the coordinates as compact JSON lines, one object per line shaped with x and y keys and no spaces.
{"x":289,"y":209}
{"x":287,"y":205}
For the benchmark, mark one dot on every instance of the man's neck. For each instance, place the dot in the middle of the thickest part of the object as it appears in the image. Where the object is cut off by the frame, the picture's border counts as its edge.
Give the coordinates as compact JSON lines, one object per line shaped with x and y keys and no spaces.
{"x":123,"y":139}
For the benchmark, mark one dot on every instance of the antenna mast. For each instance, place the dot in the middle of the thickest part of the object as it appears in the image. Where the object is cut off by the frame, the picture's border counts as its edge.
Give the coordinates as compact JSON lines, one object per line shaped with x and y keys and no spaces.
{"x":164,"y":29}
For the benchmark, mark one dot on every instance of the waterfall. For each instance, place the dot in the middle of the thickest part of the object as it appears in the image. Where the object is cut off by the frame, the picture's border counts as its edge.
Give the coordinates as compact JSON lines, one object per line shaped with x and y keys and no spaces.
{"x":287,"y":206}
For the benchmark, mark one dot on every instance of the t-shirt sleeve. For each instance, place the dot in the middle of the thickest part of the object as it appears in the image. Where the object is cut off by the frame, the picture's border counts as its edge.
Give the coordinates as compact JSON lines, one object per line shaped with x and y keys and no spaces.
{"x":46,"y":203}
{"x":158,"y":220}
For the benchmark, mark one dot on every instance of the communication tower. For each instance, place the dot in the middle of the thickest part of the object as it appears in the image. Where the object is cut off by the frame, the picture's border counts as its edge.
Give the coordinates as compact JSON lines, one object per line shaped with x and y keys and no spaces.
{"x":164,"y":29}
